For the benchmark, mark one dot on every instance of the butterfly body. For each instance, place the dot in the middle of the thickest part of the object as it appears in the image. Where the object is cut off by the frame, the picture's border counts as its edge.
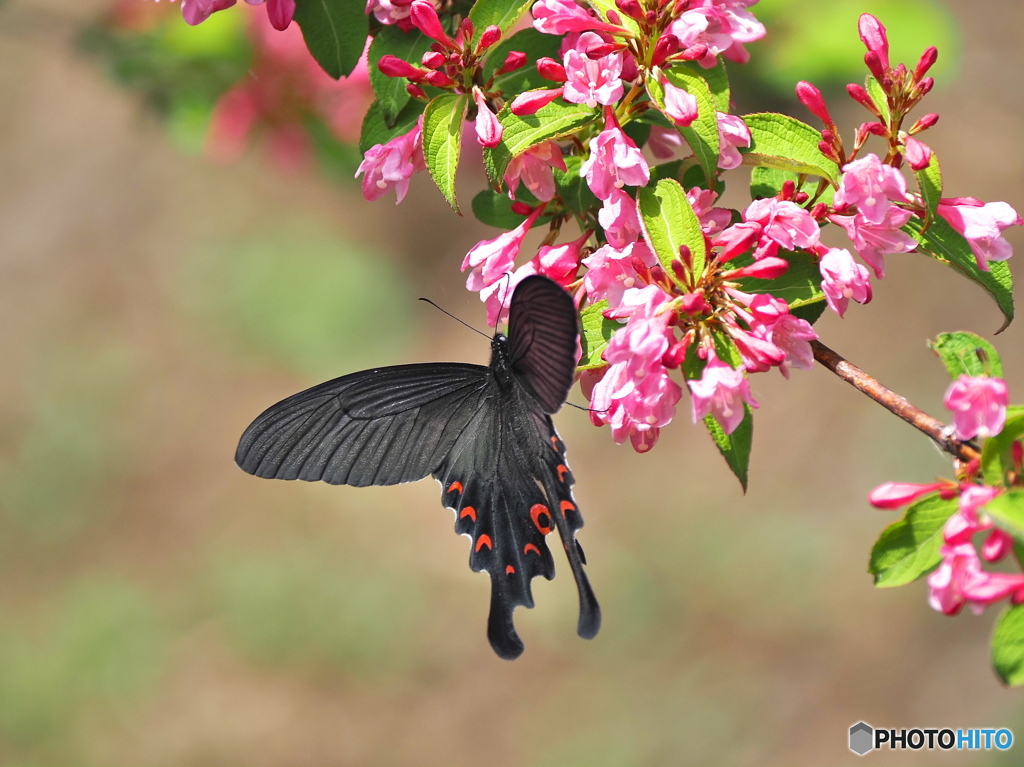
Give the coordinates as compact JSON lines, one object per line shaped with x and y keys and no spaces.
{"x":485,"y":433}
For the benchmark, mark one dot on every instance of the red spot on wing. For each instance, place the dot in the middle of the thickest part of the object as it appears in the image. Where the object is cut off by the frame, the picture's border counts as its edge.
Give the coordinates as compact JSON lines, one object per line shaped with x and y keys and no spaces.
{"x":568,"y":506}
{"x":509,"y":570}
{"x":455,"y":487}
{"x":554,"y":442}
{"x":484,"y":540}
{"x":562,"y":471}
{"x":541,"y":518}
{"x":468,"y":511}
{"x":530,"y":547}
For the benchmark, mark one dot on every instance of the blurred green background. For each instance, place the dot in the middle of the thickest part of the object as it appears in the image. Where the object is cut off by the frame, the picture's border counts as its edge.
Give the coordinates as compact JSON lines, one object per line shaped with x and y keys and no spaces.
{"x":159,"y":607}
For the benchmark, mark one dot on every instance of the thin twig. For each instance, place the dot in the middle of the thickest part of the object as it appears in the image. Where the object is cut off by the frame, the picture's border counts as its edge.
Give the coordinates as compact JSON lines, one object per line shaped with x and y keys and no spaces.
{"x":894,"y":403}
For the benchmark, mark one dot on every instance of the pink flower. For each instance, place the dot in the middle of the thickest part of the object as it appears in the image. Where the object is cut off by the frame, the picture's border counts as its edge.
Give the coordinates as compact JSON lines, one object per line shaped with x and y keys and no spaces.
{"x":488,"y":129}
{"x":531,"y":102}
{"x":997,"y":546}
{"x":614,"y":162}
{"x":423,"y":16}
{"x":783,"y":223}
{"x":642,"y":343}
{"x":978,"y":404}
{"x":389,"y":11}
{"x":959,"y":580}
{"x":721,"y":392}
{"x":280,"y":12}
{"x":619,"y":219}
{"x":712,"y":220}
{"x":962,"y":526}
{"x":793,"y":336}
{"x":918,"y":153}
{"x":197,"y":11}
{"x":592,"y":81}
{"x":559,"y":262}
{"x":534,"y":168}
{"x":557,"y":17}
{"x":392,"y":164}
{"x":843,"y":279}
{"x":982,"y":225}
{"x":663,"y":142}
{"x":489,"y":260}
{"x":732,"y":133}
{"x":724,"y":26}
{"x":871,"y":186}
{"x":893,"y":495}
{"x":680,"y":105}
{"x":610,"y":272}
{"x":872,"y":241}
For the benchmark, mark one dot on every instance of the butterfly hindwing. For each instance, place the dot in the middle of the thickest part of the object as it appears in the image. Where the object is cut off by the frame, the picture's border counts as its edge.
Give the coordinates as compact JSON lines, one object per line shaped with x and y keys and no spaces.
{"x":376,"y":427}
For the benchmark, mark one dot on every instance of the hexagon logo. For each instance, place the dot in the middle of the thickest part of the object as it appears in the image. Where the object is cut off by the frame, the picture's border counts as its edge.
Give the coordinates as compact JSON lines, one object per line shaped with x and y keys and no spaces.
{"x":862,"y":738}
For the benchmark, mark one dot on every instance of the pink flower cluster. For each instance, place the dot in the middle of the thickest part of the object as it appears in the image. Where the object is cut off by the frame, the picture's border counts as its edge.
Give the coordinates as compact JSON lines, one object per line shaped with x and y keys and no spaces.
{"x":724,"y":26}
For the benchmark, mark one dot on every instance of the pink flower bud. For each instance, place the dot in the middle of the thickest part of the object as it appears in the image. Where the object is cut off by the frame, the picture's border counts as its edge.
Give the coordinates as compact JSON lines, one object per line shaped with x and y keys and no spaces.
{"x":614,"y":17}
{"x":392,"y":66}
{"x":675,"y":355}
{"x":488,"y":129}
{"x":513,"y":61}
{"x":918,"y":154}
{"x":551,"y":70}
{"x":811,"y":98}
{"x":928,"y":58}
{"x":924,"y":123}
{"x":416,"y":91}
{"x":433,"y":59}
{"x":631,"y":8}
{"x":521,"y":208}
{"x":893,"y":495}
{"x":680,"y":105}
{"x":530,"y":102}
{"x":827,"y":149}
{"x":861,"y":96}
{"x":438,"y":79}
{"x":766,"y":269}
{"x":695,"y":303}
{"x":695,"y":52}
{"x":599,"y":50}
{"x":466,"y":30}
{"x":873,"y":34}
{"x":874,"y":64}
{"x":667,"y":45}
{"x":1017,"y":453}
{"x":490,"y":36}
{"x":925,"y":86}
{"x":424,"y":17}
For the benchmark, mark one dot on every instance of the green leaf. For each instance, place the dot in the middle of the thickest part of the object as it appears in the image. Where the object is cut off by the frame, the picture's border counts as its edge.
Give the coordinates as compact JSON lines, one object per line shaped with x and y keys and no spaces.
{"x":573,"y":188}
{"x":1007,"y":511}
{"x":996,"y":456}
{"x":668,"y":221}
{"x":1008,"y":646}
{"x":390,"y":91}
{"x":535,"y":45}
{"x":767,"y":182}
{"x":717,"y":79}
{"x":874,"y":89}
{"x":799,"y":286}
{"x":495,"y":209}
{"x":929,"y":180}
{"x":965,"y":353}
{"x":376,"y":131}
{"x":944,"y":244}
{"x":335,"y":32}
{"x":908,"y":549}
{"x":553,"y":121}
{"x":809,"y":312}
{"x":597,"y":332}
{"x":779,"y":141}
{"x":503,"y":13}
{"x":702,"y":133}
{"x":442,"y":141}
{"x":603,"y":6}
{"x":735,"y":447}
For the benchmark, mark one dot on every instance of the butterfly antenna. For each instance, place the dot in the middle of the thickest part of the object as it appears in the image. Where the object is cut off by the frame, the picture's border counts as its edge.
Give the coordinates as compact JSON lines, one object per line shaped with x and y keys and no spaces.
{"x":587,"y":409}
{"x":454,"y":317}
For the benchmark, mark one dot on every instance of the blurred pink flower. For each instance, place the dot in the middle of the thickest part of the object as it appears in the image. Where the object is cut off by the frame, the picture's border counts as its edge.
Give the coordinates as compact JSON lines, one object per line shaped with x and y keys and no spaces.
{"x":732,"y":134}
{"x":962,"y":526}
{"x":872,"y":186}
{"x":960,"y":580}
{"x":843,"y":279}
{"x":614,"y":162}
{"x":610,"y":271}
{"x":918,"y":153}
{"x":663,"y":142}
{"x":389,"y":11}
{"x":591,"y":81}
{"x":978,"y":404}
{"x":724,"y":26}
{"x":619,"y":219}
{"x":279,"y":12}
{"x":982,"y":225}
{"x":534,"y":169}
{"x":680,"y":105}
{"x":557,"y":17}
{"x":391,"y":165}
{"x":893,"y":495}
{"x":721,"y":392}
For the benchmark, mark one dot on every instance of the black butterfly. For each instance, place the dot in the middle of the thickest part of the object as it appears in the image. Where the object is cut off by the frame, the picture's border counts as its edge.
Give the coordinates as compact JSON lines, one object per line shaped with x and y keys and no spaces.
{"x":484,"y":432}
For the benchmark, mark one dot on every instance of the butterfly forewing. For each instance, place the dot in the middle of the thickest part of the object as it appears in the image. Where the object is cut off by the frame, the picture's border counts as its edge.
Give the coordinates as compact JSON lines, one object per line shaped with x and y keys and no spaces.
{"x":542,"y":334}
